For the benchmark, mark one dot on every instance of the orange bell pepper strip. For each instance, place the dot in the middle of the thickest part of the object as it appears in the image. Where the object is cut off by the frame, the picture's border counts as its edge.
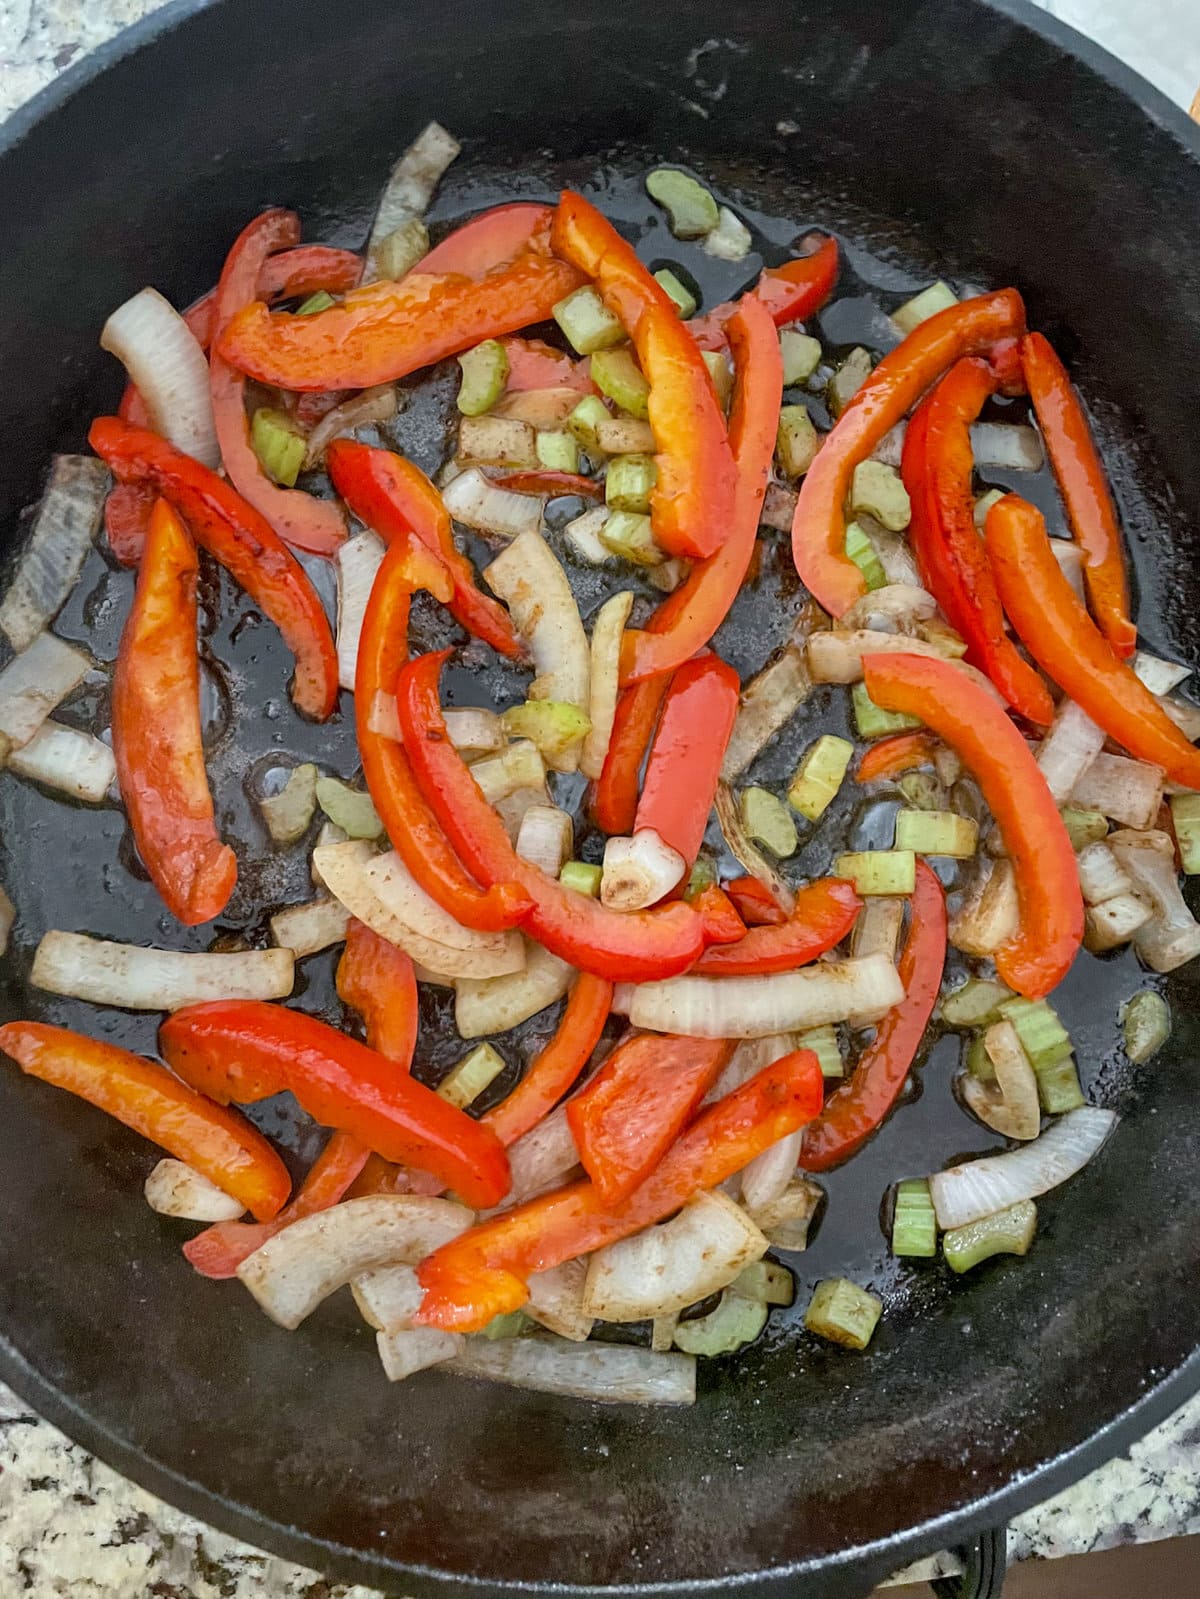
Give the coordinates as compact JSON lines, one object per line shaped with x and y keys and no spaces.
{"x":492,"y":239}
{"x":127,"y":520}
{"x":1067,"y":644}
{"x":552,"y":1072}
{"x":376,"y":978}
{"x":825,"y":912}
{"x":790,"y":293}
{"x":244,"y":543}
{"x":485,"y":1271}
{"x":895,"y":386}
{"x":411,"y":826}
{"x":723,"y":923}
{"x":853,"y":1111}
{"x":615,"y":795}
{"x":394,"y":497}
{"x":689,"y":617}
{"x":624,"y":946}
{"x":685,"y":758}
{"x":962,"y":713}
{"x":755,"y":903}
{"x":300,"y":519}
{"x":692,"y":502}
{"x":1084,"y":488}
{"x":892,"y":756}
{"x":156,"y":731}
{"x":220,"y":1144}
{"x":626,"y":1117}
{"x":246,"y":1050}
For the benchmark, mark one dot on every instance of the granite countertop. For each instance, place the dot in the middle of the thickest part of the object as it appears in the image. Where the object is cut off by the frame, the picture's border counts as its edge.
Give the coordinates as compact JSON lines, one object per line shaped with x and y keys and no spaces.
{"x":70,"y":1528}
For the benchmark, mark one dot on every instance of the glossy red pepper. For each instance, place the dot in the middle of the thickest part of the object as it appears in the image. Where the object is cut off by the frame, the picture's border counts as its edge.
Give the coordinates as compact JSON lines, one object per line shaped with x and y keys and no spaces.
{"x":853,"y":1111}
{"x":895,"y":386}
{"x":938,"y":467}
{"x":1061,"y":636}
{"x":624,"y":946}
{"x":245,"y":544}
{"x":541,"y":481}
{"x":790,"y":293}
{"x":892,"y":756}
{"x":127,"y":520}
{"x":824,"y":913}
{"x":220,"y":1144}
{"x":555,"y":1069}
{"x":395,"y":498}
{"x":1084,"y":488}
{"x":626,"y":1117}
{"x":492,"y":239}
{"x":376,"y":979}
{"x":156,"y":731}
{"x":692,"y":502}
{"x":246,"y":1050}
{"x":685,"y":758}
{"x":963,"y":714}
{"x":722,"y":920}
{"x":532,"y":364}
{"x":615,"y":796}
{"x":485,"y":1271}
{"x":755,"y":903}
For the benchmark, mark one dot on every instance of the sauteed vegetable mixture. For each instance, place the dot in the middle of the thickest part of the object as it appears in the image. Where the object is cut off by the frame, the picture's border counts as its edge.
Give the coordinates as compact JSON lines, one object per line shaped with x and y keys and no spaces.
{"x":590,"y":839}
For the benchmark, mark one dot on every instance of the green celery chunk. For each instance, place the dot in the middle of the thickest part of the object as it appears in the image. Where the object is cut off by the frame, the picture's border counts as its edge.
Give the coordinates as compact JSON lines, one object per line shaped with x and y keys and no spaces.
{"x":1084,"y":827}
{"x":397,"y":253}
{"x":465,"y":1082}
{"x":843,"y":1312}
{"x":847,"y":380}
{"x":629,"y":535}
{"x":1008,"y":1232}
{"x":878,"y":490}
{"x":1043,"y":1037}
{"x":767,"y":822}
{"x":557,"y":450}
{"x":720,"y":370}
{"x":983,"y":505}
{"x":823,"y":1041}
{"x":865,"y":556}
{"x":820,"y":775}
{"x":320,"y":301}
{"x":1058,"y":1086}
{"x":484,"y":374}
{"x":796,"y":441}
{"x":553,"y":725}
{"x":937,"y":297}
{"x":279,"y":445}
{"x":937,"y":833}
{"x":801,"y":356}
{"x":879,"y":871}
{"x":685,"y":301}
{"x":587,"y":322}
{"x":509,"y":1325}
{"x":584,"y":420}
{"x":914,"y":1225}
{"x":348,"y":808}
{"x":1146,"y":1025}
{"x":617,"y":374}
{"x":978,"y":1061}
{"x":703,"y":875}
{"x":690,"y":208}
{"x":766,"y":1281}
{"x":872,"y":721}
{"x":582,"y":877}
{"x":735,"y":1321}
{"x":976,"y":1003}
{"x":923,"y":791}
{"x":288,"y":813}
{"x":1185,"y":818}
{"x":629,"y":483}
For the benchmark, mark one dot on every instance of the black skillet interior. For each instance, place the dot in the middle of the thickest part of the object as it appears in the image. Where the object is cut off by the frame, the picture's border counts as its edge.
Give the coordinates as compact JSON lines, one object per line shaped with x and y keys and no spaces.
{"x":936,"y":138}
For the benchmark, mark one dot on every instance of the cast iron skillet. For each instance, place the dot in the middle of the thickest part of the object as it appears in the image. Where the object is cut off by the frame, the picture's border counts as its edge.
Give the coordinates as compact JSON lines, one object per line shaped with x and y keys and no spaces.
{"x":984,"y":143}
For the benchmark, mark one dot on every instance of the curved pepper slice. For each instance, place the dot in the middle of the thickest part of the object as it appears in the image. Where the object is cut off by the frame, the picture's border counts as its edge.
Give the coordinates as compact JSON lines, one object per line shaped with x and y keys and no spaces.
{"x":157,"y":738}
{"x":535,"y":480}
{"x":377,"y":979}
{"x":220,"y":1144}
{"x":685,"y":758}
{"x":938,"y":464}
{"x":485,"y":1271}
{"x":625,"y":946}
{"x":1084,"y":488}
{"x":615,"y":797}
{"x":854,"y":1111}
{"x":691,"y":504}
{"x":246,"y":1050}
{"x":723,"y":922}
{"x":242,"y":540}
{"x":551,"y":1073}
{"x":1067,"y":644}
{"x":825,"y":912}
{"x":895,"y":386}
{"x":395,"y":498}
{"x":127,"y":520}
{"x":755,"y":903}
{"x":790,"y":293}
{"x":892,"y":756}
{"x":492,"y":239}
{"x":963,"y":714}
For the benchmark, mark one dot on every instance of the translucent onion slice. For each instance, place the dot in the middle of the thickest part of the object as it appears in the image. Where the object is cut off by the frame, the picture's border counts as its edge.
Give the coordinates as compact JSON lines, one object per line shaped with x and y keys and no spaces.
{"x":162,"y":356}
{"x":990,"y":911}
{"x":1009,"y":1106}
{"x":416,"y":1349}
{"x":368,"y":408}
{"x":746,"y":852}
{"x":67,"y":760}
{"x":767,"y":1176}
{"x":770,"y":699}
{"x":1126,"y":791}
{"x":135,"y":978}
{"x":357,"y":562}
{"x":1014,"y":446}
{"x":1171,"y":936}
{"x":313,"y":926}
{"x":1101,"y":875}
{"x":1159,"y":676}
{"x":64,"y":530}
{"x":388,"y":1297}
{"x":413,"y":181}
{"x":836,"y":657}
{"x":605,"y":669}
{"x":477,"y":502}
{"x":895,"y":608}
{"x":751,"y":1007}
{"x":1068,"y":749}
{"x":174,"y":1189}
{"x":33,"y":683}
{"x":614,"y":1373}
{"x":980,"y":1188}
{"x":556,"y":1300}
{"x":542,"y":1158}
{"x":498,"y":1003}
{"x":401,"y":894}
{"x":545,"y":838}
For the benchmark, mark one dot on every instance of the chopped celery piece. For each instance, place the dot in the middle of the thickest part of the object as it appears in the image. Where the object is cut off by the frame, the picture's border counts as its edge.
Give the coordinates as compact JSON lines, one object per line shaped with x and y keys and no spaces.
{"x":348,"y":808}
{"x":943,"y":638}
{"x":823,"y":1042}
{"x":720,"y":370}
{"x":984,"y":504}
{"x":766,"y":821}
{"x":509,"y":1325}
{"x":735,"y":1321}
{"x":1185,"y":818}
{"x":796,"y":442}
{"x":1043,"y":1037}
{"x":625,"y":435}
{"x":703,"y":875}
{"x":1058,"y":1087}
{"x":879,"y":871}
{"x":465,"y":1082}
{"x":923,"y":791}
{"x":801,"y":356}
{"x":278,"y":444}
{"x":843,"y":1312}
{"x":865,"y":556}
{"x":766,"y":1281}
{"x":585,"y":418}
{"x":689,"y":206}
{"x":1084,"y":827}
{"x":847,"y":380}
{"x":937,"y":297}
{"x":914,"y":1225}
{"x":937,"y":833}
{"x":582,"y":877}
{"x":401,"y":249}
{"x":617,"y":374}
{"x":587,"y":322}
{"x":872,"y":721}
{"x":557,"y":450}
{"x":629,"y":482}
{"x":320,"y":301}
{"x":878,"y":490}
{"x":819,"y":776}
{"x":628,"y":534}
{"x":978,"y":1061}
{"x":1008,"y":1232}
{"x":976,"y":1003}
{"x":553,"y":725}
{"x":484,"y":374}
{"x":1146,"y":1024}
{"x":288,"y":813}
{"x":519,"y":766}
{"x":685,"y":301}
{"x":730,"y":240}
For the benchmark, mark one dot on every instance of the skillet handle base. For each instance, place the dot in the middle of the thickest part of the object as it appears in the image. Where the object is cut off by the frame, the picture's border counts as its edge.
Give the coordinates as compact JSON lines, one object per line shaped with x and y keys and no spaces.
{"x":984,"y":1564}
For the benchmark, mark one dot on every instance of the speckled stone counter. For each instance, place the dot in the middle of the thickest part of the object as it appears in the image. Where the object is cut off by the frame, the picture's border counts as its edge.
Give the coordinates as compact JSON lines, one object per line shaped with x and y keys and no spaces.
{"x":72,"y":1529}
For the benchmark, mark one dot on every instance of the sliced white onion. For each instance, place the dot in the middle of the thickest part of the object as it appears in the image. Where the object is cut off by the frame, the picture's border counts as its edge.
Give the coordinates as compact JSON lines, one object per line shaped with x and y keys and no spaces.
{"x":163,"y":357}
{"x":768,"y":1175}
{"x":513,"y":807}
{"x":767,"y":702}
{"x":1171,"y":935}
{"x":418,"y":1348}
{"x":1068,"y":749}
{"x":34,"y":682}
{"x":478,"y":503}
{"x":175,"y":1189}
{"x":1114,"y":922}
{"x":615,"y":1373}
{"x":413,"y":180}
{"x":556,"y":1300}
{"x":1159,"y":676}
{"x":519,"y":766}
{"x":583,"y":536}
{"x":750,"y":1056}
{"x":65,"y":759}
{"x":751,"y":1007}
{"x":388,"y":1298}
{"x":358,"y":561}
{"x":542,"y":1158}
{"x":132,"y":977}
{"x":604,"y":674}
{"x":980,"y":1188}
{"x":64,"y":530}
{"x":990,"y":912}
{"x":546,"y":838}
{"x":474,"y":732}
{"x":1007,"y":444}
{"x":895,"y":608}
{"x":1184,"y":714}
{"x":405,"y":899}
{"x":836,"y":657}
{"x":746,"y":852}
{"x":1101,"y":875}
{"x":877,"y":927}
{"x":368,"y":408}
{"x":305,"y":929}
{"x":787,"y":1219}
{"x":639,"y":871}
{"x":498,"y":1003}
{"x":1070,"y":561}
{"x":1129,"y":792}
{"x":1009,"y":1106}
{"x":895,"y":554}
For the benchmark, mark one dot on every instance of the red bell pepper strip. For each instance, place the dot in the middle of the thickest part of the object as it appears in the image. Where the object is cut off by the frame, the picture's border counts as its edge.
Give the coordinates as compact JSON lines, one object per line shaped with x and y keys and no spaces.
{"x":825,"y":912}
{"x":395,"y":498}
{"x":413,"y":829}
{"x":722,"y":922}
{"x":220,"y":1144}
{"x":626,"y":1117}
{"x":938,"y":465}
{"x":1084,"y":488}
{"x":755,"y":903}
{"x":127,"y":520}
{"x":242,"y":540}
{"x":897,"y":383}
{"x":890,"y":757}
{"x":377,"y":979}
{"x":157,"y":739}
{"x":790,"y":293}
{"x":220,"y":1249}
{"x":963,"y":714}
{"x":853,"y":1111}
{"x":1066,"y":643}
{"x":615,"y":797}
{"x":692,"y":502}
{"x":532,"y":364}
{"x":300,"y":519}
{"x":246,"y":1050}
{"x":685,"y":758}
{"x":624,"y":946}
{"x":542,"y":481}
{"x":552,"y":1072}
{"x":689,"y":617}
{"x":491,"y":240}
{"x":485,"y":1271}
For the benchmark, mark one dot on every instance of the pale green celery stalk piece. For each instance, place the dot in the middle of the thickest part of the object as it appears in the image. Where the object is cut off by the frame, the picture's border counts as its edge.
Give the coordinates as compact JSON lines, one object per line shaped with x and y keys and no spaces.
{"x":557,"y":451}
{"x":796,"y":441}
{"x":801,"y":356}
{"x":629,"y":535}
{"x":348,"y":808}
{"x":484,"y":374}
{"x":1185,"y":818}
{"x":923,"y":791}
{"x":766,"y":821}
{"x":617,"y":374}
{"x":1008,"y":1232}
{"x":585,"y":418}
{"x":582,"y":877}
{"x":984,"y":504}
{"x":878,"y":490}
{"x":976,"y":1003}
{"x":872,"y":721}
{"x":767,"y":1281}
{"x":509,"y":1325}
{"x":1145,"y":1024}
{"x":464,"y":1083}
{"x":937,"y":833}
{"x":684,"y":299}
{"x":720,"y":370}
{"x":844,"y":1313}
{"x":914,"y":1224}
{"x":978,"y":1062}
{"x":278,"y":444}
{"x":820,"y":775}
{"x":937,"y":297}
{"x":735,"y":1321}
{"x":288,"y":813}
{"x":847,"y":380}
{"x":823,"y":1041}
{"x":878,"y":871}
{"x":692,"y":211}
{"x":629,"y":483}
{"x":587,"y":322}
{"x":1084,"y":827}
{"x":320,"y":301}
{"x":1043,"y":1036}
{"x":553,"y":725}
{"x":865,"y":556}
